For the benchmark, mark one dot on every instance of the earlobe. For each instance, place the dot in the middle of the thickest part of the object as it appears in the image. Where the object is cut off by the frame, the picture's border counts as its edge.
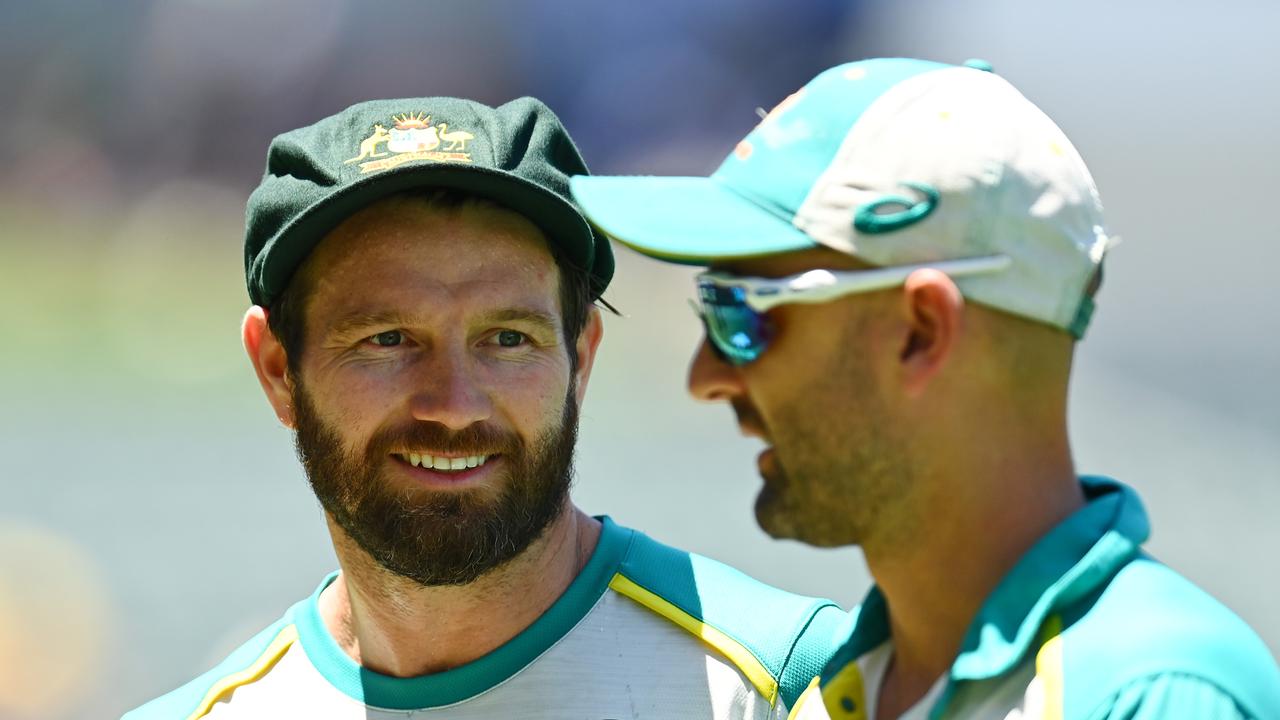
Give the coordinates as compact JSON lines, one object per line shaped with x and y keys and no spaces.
{"x":934,"y":312}
{"x":269,"y":362}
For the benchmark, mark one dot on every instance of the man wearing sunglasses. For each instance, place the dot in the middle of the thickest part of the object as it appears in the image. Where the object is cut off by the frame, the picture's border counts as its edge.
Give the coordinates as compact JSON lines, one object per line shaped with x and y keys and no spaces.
{"x":901,"y":256}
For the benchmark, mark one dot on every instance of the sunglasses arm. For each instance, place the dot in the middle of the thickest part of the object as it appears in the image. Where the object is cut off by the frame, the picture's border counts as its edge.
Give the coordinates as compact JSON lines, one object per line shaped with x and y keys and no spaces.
{"x":819,"y":286}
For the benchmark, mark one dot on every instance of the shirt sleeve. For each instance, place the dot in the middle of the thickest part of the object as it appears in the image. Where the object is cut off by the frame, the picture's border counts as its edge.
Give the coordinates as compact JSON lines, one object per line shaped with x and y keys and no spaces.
{"x":1171,"y":697}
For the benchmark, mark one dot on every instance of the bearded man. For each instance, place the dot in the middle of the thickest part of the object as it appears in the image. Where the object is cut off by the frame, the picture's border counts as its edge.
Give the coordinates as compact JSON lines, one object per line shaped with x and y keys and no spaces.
{"x":424,"y":317}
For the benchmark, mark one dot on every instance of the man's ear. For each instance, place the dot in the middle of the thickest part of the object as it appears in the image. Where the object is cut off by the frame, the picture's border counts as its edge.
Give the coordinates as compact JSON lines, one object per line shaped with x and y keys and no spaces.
{"x":588,"y":344}
{"x":269,"y":362}
{"x":934,"y":311}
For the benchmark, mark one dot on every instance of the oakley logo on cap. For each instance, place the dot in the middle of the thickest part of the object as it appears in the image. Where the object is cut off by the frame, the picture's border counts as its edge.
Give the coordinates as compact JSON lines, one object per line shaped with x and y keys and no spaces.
{"x":869,"y":218}
{"x":414,"y":137}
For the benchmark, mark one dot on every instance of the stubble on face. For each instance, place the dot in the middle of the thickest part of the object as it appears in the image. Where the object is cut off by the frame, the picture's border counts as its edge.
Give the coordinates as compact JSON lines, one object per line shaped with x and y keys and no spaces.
{"x":839,"y":471}
{"x":431,"y":537}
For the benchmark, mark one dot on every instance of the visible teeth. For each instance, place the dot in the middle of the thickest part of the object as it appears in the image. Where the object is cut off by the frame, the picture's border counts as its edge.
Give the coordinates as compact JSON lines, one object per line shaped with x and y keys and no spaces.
{"x":444,"y":463}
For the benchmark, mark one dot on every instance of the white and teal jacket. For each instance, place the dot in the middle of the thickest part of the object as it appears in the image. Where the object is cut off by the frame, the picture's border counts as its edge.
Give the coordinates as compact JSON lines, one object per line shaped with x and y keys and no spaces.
{"x":645,"y":631}
{"x":1086,"y":625}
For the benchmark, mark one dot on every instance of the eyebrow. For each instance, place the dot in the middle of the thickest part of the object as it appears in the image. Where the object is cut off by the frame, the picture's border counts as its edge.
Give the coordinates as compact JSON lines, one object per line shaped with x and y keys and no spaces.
{"x":545,"y":320}
{"x":360,"y":320}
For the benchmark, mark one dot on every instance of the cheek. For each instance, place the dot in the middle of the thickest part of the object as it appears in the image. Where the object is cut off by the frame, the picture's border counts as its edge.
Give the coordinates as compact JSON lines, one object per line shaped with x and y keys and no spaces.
{"x":530,"y":399}
{"x":353,"y":404}
{"x":794,"y":366}
{"x":792,"y":404}
{"x":808,"y":396}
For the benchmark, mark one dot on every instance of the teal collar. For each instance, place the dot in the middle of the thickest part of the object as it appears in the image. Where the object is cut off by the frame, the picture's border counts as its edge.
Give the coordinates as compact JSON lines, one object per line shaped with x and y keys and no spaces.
{"x":1071,"y":561}
{"x":460,"y":683}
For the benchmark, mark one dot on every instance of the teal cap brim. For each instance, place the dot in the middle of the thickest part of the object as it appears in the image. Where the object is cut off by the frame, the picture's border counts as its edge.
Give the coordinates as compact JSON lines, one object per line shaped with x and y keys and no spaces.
{"x":688,"y":220}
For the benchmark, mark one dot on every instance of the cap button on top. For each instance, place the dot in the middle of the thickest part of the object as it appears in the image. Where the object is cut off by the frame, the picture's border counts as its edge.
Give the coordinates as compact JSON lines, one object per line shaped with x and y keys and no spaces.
{"x":979,"y":64}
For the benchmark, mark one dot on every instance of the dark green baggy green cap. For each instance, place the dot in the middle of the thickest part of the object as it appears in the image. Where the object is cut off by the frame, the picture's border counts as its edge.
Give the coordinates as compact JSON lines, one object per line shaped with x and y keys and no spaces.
{"x":517,"y":154}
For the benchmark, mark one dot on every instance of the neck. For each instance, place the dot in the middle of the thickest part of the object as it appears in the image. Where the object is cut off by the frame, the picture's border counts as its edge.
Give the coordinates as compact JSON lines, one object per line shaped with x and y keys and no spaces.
{"x":978,"y":512}
{"x":393,"y":625}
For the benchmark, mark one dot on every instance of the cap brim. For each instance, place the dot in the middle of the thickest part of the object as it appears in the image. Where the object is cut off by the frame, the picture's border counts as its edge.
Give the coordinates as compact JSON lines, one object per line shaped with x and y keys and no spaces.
{"x":689,"y":220}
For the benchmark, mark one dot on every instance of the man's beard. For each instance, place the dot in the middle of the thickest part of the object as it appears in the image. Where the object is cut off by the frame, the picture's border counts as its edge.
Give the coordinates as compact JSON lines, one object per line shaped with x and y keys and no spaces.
{"x":830,"y":490}
{"x":841,"y":474}
{"x":439,"y":537}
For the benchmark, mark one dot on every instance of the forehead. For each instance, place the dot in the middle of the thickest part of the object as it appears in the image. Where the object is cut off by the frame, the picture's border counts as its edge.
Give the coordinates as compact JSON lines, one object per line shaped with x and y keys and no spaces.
{"x":404,"y":251}
{"x":790,"y":263}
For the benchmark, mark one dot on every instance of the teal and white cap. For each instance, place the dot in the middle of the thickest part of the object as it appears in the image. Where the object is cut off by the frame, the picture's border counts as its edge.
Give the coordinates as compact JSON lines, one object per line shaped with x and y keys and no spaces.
{"x":896,"y":162}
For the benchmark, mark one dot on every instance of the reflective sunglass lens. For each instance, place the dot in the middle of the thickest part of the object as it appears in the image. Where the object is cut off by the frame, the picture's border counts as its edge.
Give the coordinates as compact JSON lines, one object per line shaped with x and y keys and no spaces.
{"x":738,"y":333}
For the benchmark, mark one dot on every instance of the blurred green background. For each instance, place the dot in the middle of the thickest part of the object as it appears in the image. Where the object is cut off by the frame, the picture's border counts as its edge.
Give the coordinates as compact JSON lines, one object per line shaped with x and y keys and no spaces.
{"x":152,"y":515}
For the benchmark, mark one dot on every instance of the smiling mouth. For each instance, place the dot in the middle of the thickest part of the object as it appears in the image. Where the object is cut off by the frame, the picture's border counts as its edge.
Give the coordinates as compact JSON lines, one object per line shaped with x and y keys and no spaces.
{"x":440,"y":463}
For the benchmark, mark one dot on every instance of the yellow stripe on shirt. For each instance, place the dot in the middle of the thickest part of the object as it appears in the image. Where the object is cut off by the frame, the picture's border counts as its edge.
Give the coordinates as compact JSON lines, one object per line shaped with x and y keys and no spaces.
{"x":269,"y":657}
{"x":1049,"y":668}
{"x":814,"y":690}
{"x":746,"y":661}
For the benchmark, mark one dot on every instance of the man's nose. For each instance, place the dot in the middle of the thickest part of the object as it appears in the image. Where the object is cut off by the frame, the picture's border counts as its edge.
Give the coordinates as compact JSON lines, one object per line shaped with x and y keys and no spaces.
{"x":711,"y":378}
{"x":449,"y":391}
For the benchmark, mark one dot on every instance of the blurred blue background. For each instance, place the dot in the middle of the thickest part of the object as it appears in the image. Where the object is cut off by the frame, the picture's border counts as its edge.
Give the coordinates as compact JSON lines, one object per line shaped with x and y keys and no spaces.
{"x":152,"y":515}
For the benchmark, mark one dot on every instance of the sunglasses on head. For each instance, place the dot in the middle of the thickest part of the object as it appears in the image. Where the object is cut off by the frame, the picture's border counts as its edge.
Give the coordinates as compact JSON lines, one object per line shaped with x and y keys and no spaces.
{"x":733,"y":307}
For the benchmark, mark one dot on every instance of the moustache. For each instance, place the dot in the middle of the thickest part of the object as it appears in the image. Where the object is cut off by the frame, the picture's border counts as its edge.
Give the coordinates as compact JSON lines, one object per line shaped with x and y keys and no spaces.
{"x":476,"y":439}
{"x":749,"y":420}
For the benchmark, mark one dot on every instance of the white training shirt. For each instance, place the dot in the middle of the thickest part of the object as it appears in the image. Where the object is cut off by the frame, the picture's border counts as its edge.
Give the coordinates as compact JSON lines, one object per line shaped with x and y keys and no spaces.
{"x":644,"y":631}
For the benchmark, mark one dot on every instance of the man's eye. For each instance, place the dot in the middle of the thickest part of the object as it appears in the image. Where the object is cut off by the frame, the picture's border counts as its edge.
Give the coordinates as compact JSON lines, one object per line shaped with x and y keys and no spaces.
{"x":510,"y":338}
{"x":390,"y":338}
